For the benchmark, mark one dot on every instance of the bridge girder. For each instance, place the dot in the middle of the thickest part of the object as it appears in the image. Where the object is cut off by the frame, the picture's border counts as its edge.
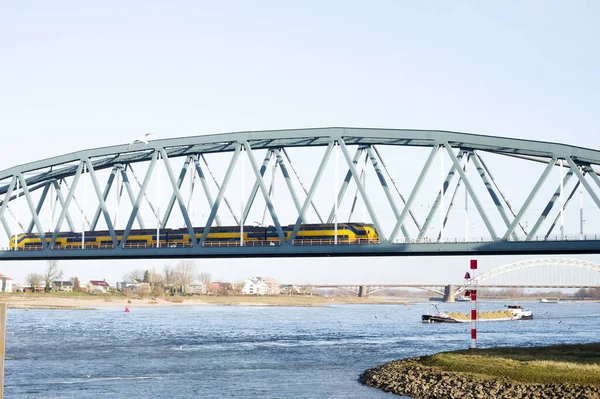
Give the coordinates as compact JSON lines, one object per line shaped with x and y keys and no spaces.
{"x":63,"y":175}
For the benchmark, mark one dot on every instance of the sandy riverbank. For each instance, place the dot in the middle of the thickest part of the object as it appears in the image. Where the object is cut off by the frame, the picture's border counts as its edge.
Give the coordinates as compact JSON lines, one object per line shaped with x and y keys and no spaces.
{"x":48,"y":301}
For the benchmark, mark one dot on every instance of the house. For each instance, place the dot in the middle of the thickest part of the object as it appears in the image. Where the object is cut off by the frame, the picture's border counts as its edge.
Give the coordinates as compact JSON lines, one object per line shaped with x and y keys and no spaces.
{"x":196,"y":288}
{"x":137,"y":286}
{"x":6,"y":284}
{"x":97,"y":287}
{"x":62,"y":286}
{"x":260,"y":286}
{"x":220,"y":288}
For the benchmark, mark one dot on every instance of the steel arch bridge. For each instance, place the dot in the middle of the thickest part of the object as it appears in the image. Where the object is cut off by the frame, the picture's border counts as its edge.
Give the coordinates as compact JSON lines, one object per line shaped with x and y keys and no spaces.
{"x":62,"y":203}
{"x":591,"y":269}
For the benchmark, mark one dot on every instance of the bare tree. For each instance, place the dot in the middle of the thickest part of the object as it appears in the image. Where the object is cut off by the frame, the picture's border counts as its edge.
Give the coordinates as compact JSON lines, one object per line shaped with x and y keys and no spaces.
{"x":205,"y":277}
{"x":34,"y":280}
{"x":52,"y":274}
{"x":169,"y":274}
{"x":186,"y":271}
{"x":137,"y":274}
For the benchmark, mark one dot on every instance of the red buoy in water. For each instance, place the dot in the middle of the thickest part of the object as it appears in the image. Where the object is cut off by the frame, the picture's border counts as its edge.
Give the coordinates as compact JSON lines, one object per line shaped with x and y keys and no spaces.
{"x":126,"y":308}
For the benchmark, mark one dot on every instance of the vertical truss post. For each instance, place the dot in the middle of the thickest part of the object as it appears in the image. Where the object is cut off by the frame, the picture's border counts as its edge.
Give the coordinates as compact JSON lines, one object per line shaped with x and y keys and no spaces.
{"x":174,"y":197}
{"x":264,"y":190}
{"x":175,"y":185}
{"x":437,"y":201}
{"x":288,"y":180}
{"x":34,"y":215}
{"x":101,"y":202}
{"x":386,"y":189}
{"x":474,"y":198}
{"x":125,"y":182}
{"x":529,"y":199}
{"x":107,"y":188}
{"x":549,"y":206}
{"x":254,"y":190}
{"x":39,"y":206}
{"x":414,"y":192}
{"x":138,"y":200}
{"x":311,"y":191}
{"x":65,"y":208}
{"x":363,"y":192}
{"x":345,"y":184}
{"x":220,"y":194}
{"x":202,"y":178}
{"x":490,"y":188}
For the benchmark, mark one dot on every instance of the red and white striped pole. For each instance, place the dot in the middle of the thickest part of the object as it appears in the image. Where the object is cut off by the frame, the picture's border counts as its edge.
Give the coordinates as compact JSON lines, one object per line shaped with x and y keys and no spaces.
{"x":473,"y":284}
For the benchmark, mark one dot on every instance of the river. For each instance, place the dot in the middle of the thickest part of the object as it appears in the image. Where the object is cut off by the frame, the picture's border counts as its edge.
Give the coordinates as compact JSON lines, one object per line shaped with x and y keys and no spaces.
{"x":249,"y":352}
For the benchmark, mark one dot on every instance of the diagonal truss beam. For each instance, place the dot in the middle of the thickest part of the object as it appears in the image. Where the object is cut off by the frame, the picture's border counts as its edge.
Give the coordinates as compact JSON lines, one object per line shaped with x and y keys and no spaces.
{"x":345,"y":183}
{"x":39,"y":206}
{"x":138,"y":201}
{"x":101,"y":202}
{"x":311,"y":191}
{"x":265,"y":192}
{"x":445,"y":185}
{"x":549,"y":206}
{"x":363,"y":191}
{"x":287,"y":157}
{"x":221,"y":193}
{"x":65,"y":207}
{"x":176,"y":184}
{"x":4,"y":206}
{"x":34,"y":214}
{"x":174,"y":197}
{"x":386,"y":189}
{"x":254,"y":191}
{"x":207,"y":193}
{"x":529,"y":199}
{"x":107,"y":188}
{"x":483,"y":174}
{"x":413,"y":194}
{"x":471,"y":191}
{"x":586,"y":184}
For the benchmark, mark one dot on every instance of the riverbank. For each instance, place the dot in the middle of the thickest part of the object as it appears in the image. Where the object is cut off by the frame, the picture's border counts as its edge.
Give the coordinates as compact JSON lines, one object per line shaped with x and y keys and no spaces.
{"x":558,"y":371}
{"x":84,"y":301}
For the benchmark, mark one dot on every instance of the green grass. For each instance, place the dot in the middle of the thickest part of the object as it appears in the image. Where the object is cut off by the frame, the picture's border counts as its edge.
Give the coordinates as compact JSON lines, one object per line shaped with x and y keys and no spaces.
{"x":578,"y":364}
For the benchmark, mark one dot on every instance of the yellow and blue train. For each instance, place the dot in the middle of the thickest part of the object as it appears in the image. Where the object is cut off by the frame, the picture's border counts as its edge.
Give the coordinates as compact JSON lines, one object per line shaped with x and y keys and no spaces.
{"x":347,"y":233}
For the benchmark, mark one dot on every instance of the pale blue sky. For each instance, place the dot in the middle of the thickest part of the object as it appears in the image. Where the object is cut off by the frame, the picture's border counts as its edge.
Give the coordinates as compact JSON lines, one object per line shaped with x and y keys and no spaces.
{"x":75,"y":76}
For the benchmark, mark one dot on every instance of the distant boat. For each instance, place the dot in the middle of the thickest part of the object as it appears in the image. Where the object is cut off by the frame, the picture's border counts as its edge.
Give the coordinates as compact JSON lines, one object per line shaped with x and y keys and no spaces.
{"x":512,"y":312}
{"x":544,"y":300}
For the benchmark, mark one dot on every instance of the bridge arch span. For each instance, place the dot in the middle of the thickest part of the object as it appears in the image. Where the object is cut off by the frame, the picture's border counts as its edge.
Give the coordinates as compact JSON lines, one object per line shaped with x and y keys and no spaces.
{"x":532,"y":263}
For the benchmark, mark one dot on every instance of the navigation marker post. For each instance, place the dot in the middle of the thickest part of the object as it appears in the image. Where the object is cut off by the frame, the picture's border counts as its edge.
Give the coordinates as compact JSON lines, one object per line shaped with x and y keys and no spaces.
{"x":470,"y":279}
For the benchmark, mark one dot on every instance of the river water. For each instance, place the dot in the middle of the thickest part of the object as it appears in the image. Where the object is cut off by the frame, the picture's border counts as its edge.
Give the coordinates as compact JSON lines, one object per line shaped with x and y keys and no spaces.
{"x":249,"y":352}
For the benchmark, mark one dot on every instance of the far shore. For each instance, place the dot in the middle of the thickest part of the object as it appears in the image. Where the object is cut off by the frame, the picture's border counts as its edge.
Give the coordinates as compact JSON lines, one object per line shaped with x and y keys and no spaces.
{"x":86,"y":302}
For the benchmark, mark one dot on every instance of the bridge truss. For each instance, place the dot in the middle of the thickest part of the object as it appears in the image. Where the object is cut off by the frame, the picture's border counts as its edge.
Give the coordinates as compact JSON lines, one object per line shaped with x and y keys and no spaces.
{"x":383,"y":177}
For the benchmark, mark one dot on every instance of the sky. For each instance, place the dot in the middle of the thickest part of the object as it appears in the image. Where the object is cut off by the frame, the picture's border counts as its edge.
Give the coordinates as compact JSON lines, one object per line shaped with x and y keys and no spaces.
{"x":76,"y":75}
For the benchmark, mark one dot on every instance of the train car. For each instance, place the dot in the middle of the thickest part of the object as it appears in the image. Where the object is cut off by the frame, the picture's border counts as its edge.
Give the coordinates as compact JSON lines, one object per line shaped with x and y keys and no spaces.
{"x":353,"y":233}
{"x":350,"y":233}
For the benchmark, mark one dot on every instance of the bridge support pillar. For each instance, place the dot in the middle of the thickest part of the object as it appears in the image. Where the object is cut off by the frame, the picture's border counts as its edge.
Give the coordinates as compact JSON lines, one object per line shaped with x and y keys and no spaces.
{"x":448,"y":293}
{"x":362,"y":291}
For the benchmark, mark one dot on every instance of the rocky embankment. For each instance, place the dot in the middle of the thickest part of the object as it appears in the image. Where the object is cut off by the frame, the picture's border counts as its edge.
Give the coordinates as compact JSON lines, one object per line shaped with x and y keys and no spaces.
{"x":410,"y":378}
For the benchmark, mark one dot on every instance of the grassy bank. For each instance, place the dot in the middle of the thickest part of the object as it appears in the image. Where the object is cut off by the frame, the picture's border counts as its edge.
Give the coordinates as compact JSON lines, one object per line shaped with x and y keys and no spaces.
{"x":576,"y":364}
{"x":558,"y":371}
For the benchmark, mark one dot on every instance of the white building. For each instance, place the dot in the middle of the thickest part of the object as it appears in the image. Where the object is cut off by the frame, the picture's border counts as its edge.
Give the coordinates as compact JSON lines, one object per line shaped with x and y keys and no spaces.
{"x":6,"y":283}
{"x":260,"y":286}
{"x":195,"y":288}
